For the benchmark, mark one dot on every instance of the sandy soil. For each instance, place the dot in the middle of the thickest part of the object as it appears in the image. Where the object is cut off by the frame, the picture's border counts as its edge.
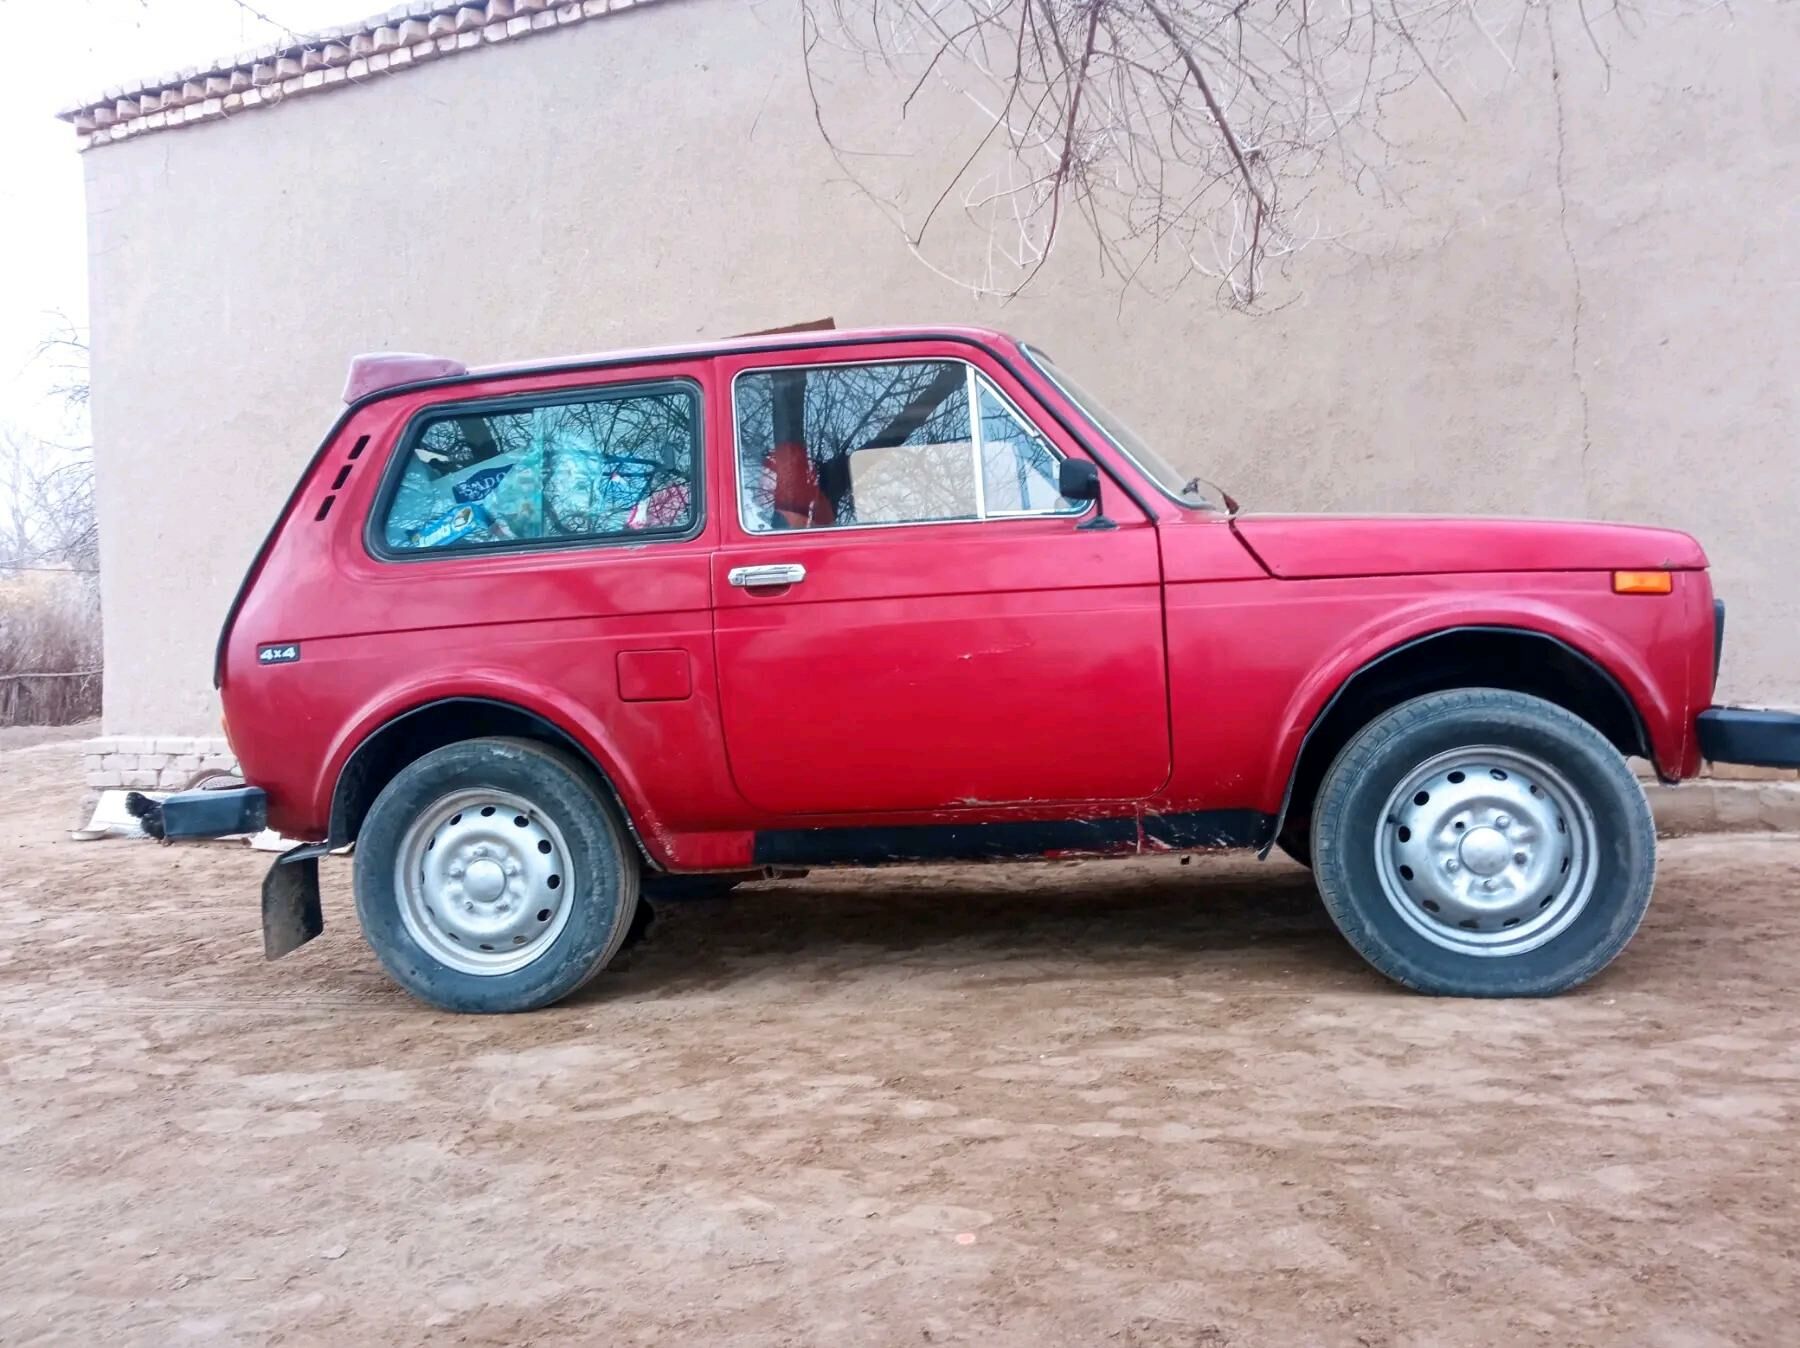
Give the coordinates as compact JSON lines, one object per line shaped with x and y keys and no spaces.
{"x":1093,"y":1104}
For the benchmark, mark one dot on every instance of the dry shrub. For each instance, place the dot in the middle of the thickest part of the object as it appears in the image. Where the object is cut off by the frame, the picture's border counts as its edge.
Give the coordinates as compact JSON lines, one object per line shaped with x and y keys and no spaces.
{"x":49,"y":648}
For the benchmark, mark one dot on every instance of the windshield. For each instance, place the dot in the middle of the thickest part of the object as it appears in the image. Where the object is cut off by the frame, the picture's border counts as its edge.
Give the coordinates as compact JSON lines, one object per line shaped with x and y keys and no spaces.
{"x":1196,"y":492}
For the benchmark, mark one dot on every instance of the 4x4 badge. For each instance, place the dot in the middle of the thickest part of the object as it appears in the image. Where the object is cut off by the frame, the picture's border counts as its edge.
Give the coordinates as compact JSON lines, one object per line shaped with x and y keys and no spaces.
{"x":278,"y":655}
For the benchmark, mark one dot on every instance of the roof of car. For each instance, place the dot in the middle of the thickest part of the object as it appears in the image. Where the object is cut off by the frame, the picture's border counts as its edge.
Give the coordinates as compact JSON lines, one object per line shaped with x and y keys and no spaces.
{"x":759,"y":341}
{"x":380,"y":371}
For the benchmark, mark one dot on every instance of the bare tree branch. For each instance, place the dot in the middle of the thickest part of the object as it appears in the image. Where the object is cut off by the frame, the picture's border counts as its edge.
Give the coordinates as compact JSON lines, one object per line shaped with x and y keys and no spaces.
{"x":1183,"y":132}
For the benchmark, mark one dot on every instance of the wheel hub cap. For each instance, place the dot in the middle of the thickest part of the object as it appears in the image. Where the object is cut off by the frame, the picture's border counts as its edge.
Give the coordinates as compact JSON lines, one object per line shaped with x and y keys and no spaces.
{"x":484,"y":881}
{"x":1486,"y":851}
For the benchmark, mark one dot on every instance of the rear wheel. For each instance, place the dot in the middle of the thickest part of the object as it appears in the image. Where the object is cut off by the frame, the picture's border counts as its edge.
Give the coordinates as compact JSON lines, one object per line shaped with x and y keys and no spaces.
{"x":491,"y":876}
{"x":1484,"y":843}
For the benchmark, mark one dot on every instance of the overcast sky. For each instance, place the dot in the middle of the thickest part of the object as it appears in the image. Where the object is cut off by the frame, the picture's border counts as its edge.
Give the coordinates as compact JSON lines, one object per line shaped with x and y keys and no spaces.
{"x":52,"y":53}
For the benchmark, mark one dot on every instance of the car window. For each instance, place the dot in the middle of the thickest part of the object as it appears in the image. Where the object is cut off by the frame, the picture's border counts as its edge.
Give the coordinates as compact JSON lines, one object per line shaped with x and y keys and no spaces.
{"x":839,"y":446}
{"x":614,"y":465}
{"x":1018,"y":468}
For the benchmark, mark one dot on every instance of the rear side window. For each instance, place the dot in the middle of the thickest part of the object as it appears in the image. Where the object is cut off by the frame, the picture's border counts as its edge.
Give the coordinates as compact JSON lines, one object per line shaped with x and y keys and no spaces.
{"x":606,"y":465}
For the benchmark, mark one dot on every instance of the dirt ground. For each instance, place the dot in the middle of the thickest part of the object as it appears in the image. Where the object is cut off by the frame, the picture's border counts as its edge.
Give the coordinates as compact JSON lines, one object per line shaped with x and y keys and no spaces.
{"x":1132,"y":1103}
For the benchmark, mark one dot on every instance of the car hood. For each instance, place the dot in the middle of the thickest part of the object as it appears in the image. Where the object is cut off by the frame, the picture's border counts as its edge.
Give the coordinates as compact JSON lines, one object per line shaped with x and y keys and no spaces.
{"x":1302,"y":547}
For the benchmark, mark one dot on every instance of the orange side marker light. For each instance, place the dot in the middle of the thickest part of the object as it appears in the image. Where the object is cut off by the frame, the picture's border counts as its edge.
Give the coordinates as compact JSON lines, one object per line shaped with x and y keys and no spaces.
{"x":1643,"y":582}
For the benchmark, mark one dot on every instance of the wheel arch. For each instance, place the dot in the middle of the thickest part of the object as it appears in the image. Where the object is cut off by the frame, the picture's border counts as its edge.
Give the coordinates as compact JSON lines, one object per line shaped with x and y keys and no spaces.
{"x":1496,"y":655}
{"x":406,"y":735}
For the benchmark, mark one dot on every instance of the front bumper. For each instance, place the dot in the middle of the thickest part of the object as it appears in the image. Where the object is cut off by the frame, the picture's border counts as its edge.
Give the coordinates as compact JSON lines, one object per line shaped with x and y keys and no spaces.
{"x":1763,"y":739}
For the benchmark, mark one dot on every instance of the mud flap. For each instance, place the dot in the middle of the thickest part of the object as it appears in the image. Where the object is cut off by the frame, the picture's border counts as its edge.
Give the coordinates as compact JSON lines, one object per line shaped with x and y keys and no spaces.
{"x":291,"y":913}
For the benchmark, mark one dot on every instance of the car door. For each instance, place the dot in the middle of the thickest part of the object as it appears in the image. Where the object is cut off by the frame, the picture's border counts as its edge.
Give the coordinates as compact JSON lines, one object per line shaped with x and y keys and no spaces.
{"x":908,"y":616}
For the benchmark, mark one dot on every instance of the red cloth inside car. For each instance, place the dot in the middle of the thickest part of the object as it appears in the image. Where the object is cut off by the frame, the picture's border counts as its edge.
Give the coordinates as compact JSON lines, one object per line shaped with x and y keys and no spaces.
{"x":798,"y":502}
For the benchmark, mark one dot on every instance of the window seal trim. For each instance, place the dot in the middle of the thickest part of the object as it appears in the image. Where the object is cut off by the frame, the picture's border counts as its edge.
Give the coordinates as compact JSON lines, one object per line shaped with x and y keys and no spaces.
{"x":973,"y":373}
{"x":375,"y":543}
{"x":977,"y":472}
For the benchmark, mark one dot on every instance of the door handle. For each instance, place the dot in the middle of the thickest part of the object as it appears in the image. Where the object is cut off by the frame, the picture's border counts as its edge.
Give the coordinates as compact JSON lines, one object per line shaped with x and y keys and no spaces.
{"x":751,"y":577}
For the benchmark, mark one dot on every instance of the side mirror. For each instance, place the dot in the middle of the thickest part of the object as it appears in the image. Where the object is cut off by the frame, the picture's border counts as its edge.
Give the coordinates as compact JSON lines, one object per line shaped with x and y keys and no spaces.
{"x":1078,"y":480}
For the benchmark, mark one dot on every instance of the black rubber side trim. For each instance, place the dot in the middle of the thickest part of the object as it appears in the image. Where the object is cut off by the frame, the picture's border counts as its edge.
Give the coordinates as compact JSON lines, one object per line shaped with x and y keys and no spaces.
{"x":1203,"y":830}
{"x":1718,"y":637}
{"x":1761,"y":739}
{"x":1010,"y":840}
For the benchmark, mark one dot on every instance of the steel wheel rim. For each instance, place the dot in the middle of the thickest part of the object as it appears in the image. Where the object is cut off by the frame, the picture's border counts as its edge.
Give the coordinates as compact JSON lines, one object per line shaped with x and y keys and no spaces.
{"x":1486,"y":851}
{"x":484,"y":880}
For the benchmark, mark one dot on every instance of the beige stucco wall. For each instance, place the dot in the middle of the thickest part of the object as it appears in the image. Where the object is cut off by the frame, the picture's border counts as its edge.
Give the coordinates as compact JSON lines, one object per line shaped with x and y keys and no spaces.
{"x":1619,"y":338}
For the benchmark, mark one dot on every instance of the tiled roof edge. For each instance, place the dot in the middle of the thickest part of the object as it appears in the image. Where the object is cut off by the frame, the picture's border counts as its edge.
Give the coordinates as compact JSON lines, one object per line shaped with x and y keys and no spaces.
{"x":348,"y":54}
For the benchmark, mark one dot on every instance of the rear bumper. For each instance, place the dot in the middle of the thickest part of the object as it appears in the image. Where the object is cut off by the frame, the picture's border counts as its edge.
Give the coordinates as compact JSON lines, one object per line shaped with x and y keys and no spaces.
{"x":214,"y":814}
{"x":1763,"y":739}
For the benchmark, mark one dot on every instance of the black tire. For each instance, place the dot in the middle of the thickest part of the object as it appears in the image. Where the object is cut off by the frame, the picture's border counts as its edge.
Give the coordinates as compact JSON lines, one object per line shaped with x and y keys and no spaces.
{"x":603,"y":896}
{"x":678,"y":888}
{"x":1348,"y":819}
{"x":639,"y":931}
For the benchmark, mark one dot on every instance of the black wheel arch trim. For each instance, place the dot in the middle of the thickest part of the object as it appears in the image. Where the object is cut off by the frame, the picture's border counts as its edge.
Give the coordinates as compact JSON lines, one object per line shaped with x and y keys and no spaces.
{"x":1498,"y":629}
{"x":338,"y":832}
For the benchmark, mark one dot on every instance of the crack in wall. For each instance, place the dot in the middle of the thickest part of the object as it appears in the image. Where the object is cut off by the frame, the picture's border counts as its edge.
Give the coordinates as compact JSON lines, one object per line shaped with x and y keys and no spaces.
{"x":1562,"y":225}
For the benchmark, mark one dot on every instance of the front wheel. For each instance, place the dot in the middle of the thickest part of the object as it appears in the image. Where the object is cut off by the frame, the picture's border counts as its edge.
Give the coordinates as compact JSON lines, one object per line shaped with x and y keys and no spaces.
{"x":491,"y":876}
{"x":1483,"y":843}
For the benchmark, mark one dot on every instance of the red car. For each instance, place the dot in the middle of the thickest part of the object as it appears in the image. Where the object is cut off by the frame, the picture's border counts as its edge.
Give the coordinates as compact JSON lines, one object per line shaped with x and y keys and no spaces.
{"x":543,"y":639}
